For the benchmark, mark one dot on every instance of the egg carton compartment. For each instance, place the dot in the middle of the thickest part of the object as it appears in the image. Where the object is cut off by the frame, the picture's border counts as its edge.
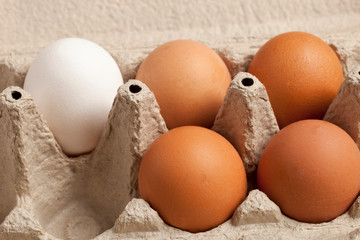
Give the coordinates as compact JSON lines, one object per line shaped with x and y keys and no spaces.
{"x":47,"y":195}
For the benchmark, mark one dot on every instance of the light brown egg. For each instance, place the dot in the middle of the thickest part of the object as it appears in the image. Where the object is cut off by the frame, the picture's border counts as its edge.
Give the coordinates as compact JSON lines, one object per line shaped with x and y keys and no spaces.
{"x":189,"y":81}
{"x":301,"y":73}
{"x":193,"y":177}
{"x":311,"y":170}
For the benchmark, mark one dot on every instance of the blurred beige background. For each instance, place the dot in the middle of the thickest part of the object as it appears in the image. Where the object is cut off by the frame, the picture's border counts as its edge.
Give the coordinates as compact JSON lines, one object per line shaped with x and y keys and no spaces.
{"x":26,"y":25}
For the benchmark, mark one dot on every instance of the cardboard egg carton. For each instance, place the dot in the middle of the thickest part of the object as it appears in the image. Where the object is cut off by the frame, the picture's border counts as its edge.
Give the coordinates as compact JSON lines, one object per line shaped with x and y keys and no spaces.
{"x":47,"y":195}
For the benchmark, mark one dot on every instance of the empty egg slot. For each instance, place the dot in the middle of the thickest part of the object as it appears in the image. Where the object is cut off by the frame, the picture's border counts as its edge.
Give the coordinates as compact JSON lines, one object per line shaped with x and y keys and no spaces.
{"x":84,"y":201}
{"x":80,"y":198}
{"x":64,"y":211}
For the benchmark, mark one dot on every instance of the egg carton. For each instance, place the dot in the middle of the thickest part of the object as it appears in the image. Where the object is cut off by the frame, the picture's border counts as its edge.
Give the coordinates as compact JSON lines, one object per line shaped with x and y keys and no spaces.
{"x":47,"y":195}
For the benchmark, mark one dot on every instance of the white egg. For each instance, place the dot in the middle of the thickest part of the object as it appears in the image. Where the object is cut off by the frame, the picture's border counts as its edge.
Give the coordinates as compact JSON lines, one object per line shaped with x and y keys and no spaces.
{"x":74,"y":81}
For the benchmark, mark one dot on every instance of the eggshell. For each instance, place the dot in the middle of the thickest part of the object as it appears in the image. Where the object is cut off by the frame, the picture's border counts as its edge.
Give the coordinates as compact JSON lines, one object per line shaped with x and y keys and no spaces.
{"x":301,"y":73}
{"x":74,"y":82}
{"x":189,"y":81}
{"x":310,"y":169}
{"x":193,"y":177}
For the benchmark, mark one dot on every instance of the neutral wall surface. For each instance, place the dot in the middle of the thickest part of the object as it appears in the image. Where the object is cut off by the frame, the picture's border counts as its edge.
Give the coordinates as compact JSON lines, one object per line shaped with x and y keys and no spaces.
{"x":27,"y":25}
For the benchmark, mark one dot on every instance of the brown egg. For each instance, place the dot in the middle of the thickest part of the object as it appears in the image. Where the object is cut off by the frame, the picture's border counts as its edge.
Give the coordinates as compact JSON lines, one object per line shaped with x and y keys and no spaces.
{"x":189,"y":81}
{"x":301,"y":73}
{"x":193,"y":177}
{"x":311,"y":170}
